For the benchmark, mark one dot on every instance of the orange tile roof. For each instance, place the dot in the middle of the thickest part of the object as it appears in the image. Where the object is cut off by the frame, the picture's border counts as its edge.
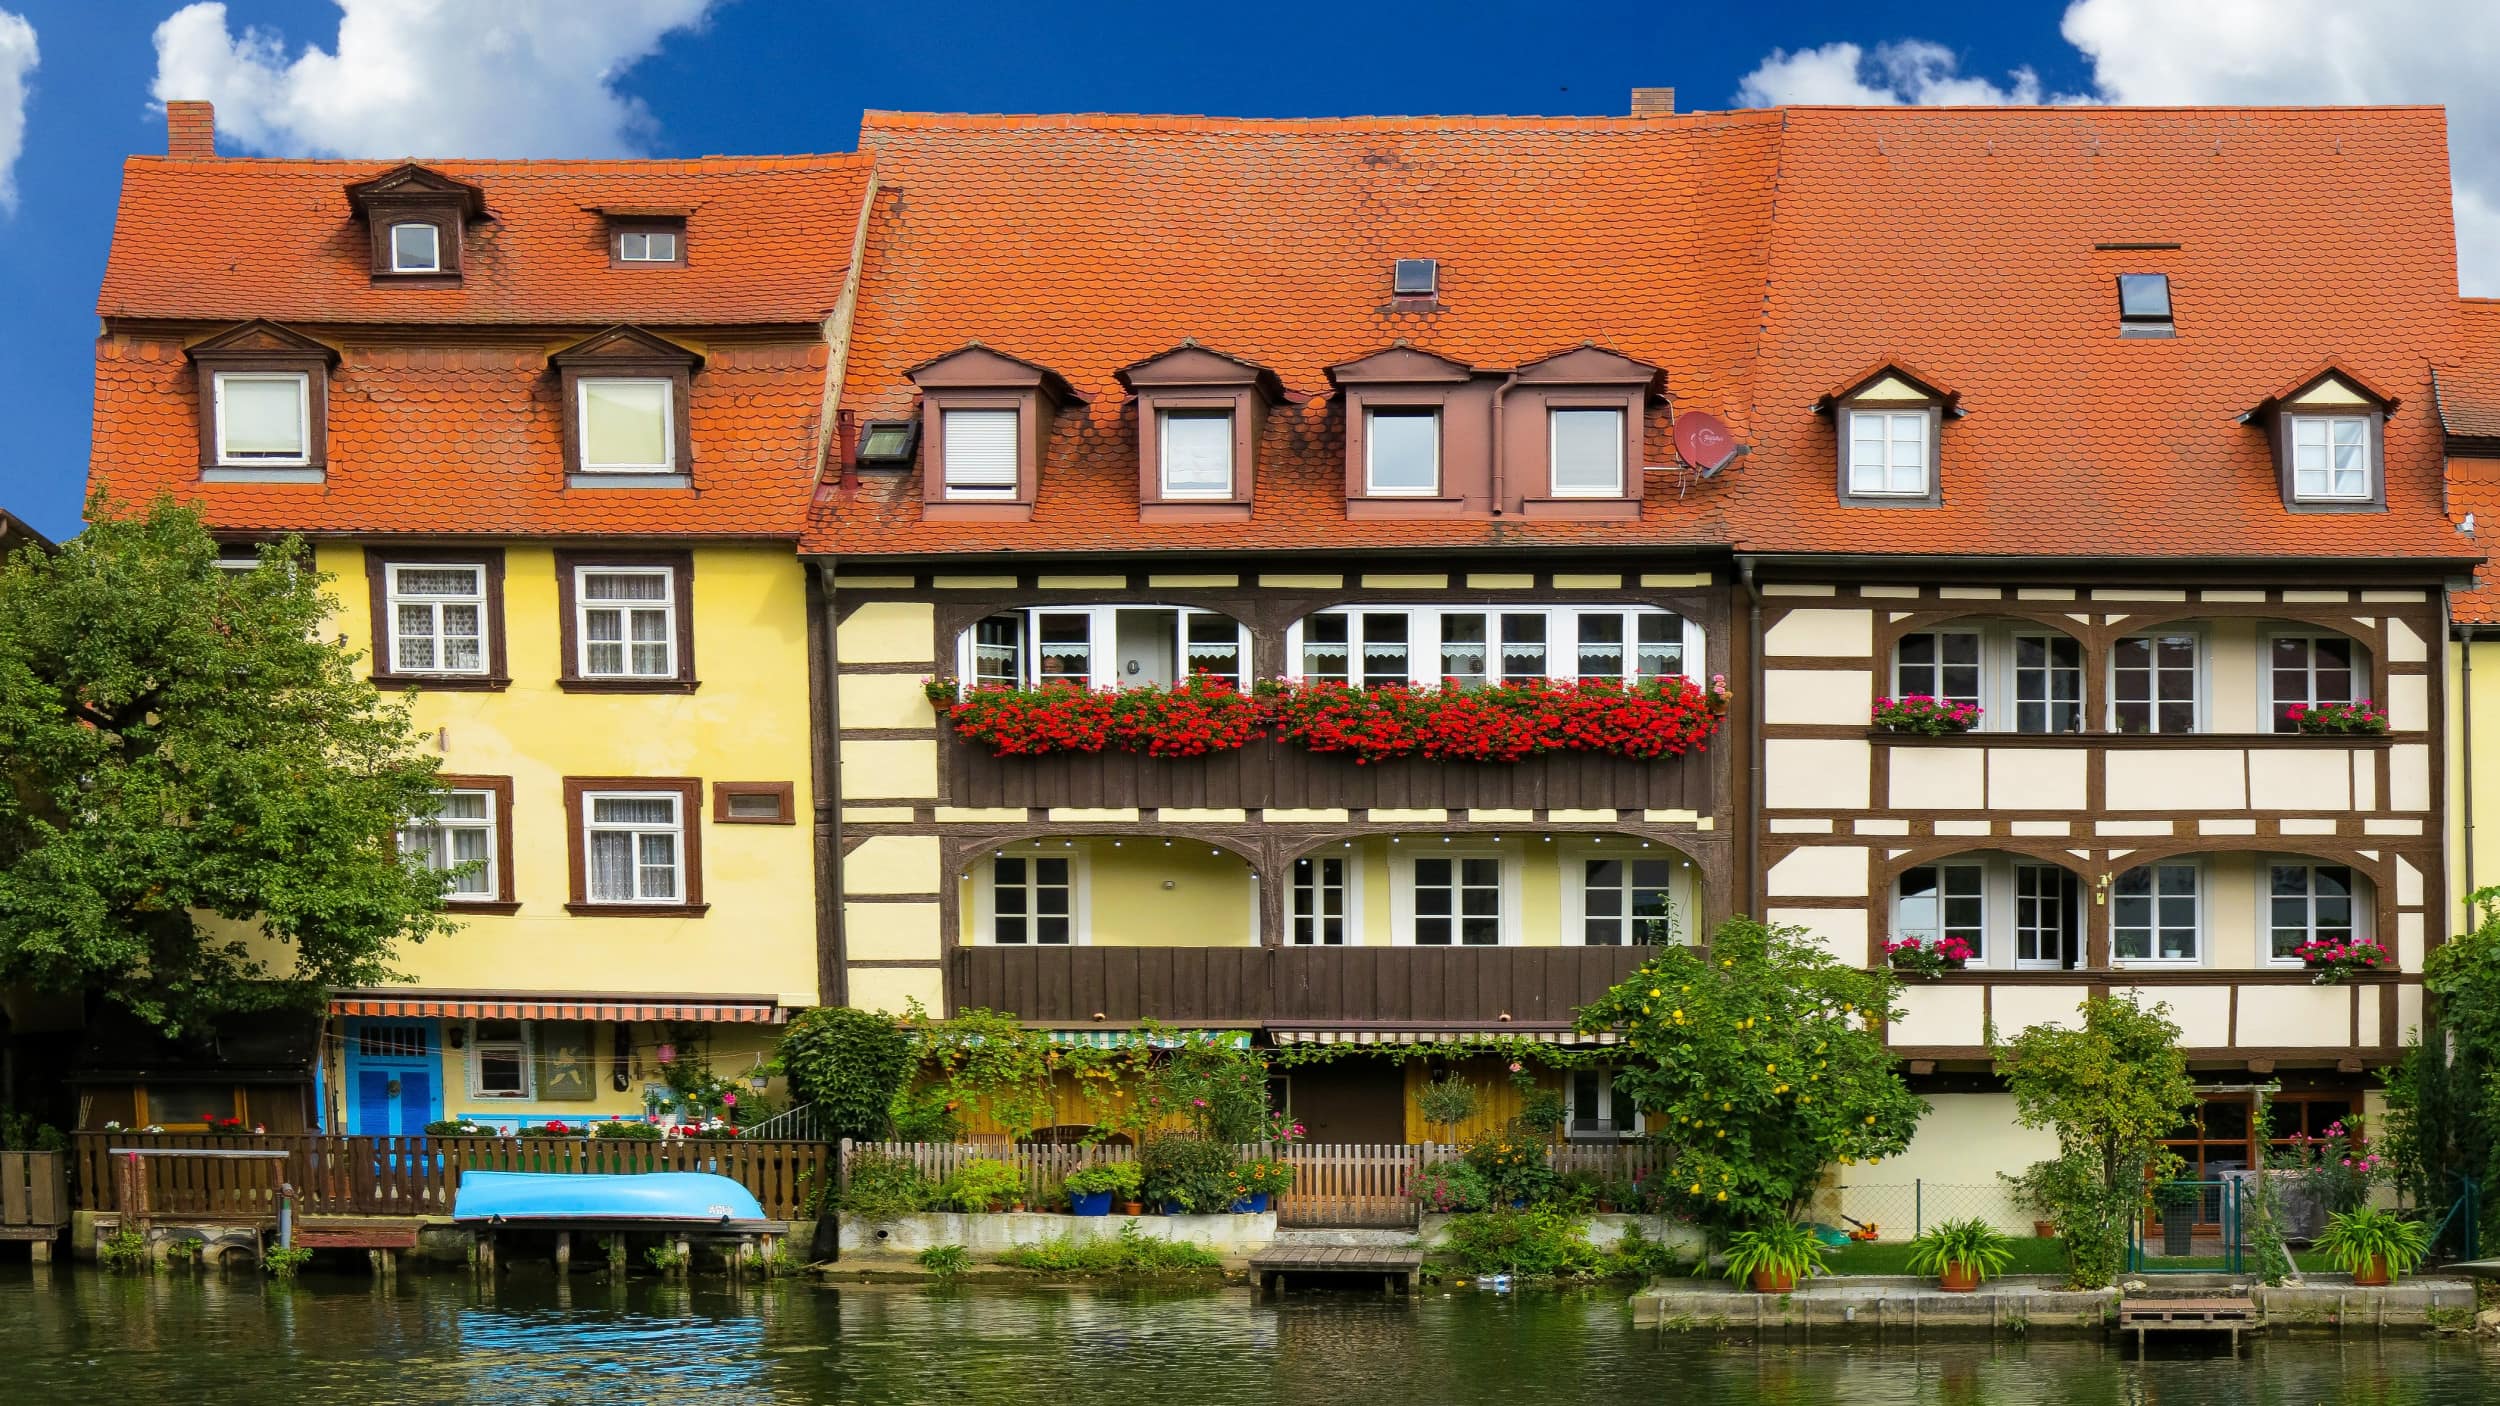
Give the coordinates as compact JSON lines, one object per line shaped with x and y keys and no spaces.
{"x":2469,"y":408}
{"x":447,"y":422}
{"x":1758,"y":256}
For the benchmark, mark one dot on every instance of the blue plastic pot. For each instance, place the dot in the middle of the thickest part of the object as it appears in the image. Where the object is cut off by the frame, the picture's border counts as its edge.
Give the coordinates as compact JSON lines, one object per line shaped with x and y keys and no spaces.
{"x":1089,"y":1203}
{"x":1251,"y":1205}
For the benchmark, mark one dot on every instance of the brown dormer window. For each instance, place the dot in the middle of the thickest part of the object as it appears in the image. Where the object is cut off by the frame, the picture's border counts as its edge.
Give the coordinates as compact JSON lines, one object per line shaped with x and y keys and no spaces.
{"x":625,"y":395}
{"x":1199,"y":414}
{"x":986,"y":419}
{"x":263,"y":405}
{"x":418,"y":220}
{"x":2328,"y":432}
{"x":646,"y":238}
{"x":1890,"y":423}
{"x":1572,"y":433}
{"x":1417,"y":431}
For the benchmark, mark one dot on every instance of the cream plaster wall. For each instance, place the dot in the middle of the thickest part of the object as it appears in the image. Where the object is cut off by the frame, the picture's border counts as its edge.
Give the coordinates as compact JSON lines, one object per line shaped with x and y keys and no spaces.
{"x":2292,"y":779}
{"x":889,"y":769}
{"x":2018,"y":1008}
{"x":1814,"y":773}
{"x":1939,"y":1015}
{"x":2175,"y":780}
{"x":1839,"y":697}
{"x":2027,"y":778}
{"x":1938,"y":778}
{"x":1955,"y":1163}
{"x":2296,"y":1015}
{"x":1816,"y":630}
{"x":1840,"y":931}
{"x":888,"y":632}
{"x":890,"y":989}
{"x":1835,"y":871}
{"x":891,"y":932}
{"x":2202,"y":1013}
{"x":883,"y":700}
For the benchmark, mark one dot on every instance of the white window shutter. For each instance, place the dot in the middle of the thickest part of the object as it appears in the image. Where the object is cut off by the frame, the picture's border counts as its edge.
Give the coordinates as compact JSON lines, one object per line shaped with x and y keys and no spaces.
{"x":981,"y":450}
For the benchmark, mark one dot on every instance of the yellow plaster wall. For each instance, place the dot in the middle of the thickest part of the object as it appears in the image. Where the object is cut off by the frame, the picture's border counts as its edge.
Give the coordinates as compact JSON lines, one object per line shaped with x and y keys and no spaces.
{"x":1498,"y":1098}
{"x":1210,"y":903}
{"x":2482,"y":801}
{"x":748,"y":722}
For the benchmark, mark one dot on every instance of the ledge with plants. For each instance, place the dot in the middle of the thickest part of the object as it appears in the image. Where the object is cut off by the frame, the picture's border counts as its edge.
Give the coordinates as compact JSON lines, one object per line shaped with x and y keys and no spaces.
{"x":1927,"y":959}
{"x":2362,"y":719}
{"x":1918,"y":715}
{"x":2336,"y":962}
{"x":2374,"y":1246}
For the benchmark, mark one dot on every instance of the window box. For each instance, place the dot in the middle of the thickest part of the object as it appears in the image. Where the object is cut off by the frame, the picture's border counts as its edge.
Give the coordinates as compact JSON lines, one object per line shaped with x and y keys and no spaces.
{"x":626,"y":622}
{"x":437,"y":618}
{"x":1930,"y":717}
{"x":635,"y":846}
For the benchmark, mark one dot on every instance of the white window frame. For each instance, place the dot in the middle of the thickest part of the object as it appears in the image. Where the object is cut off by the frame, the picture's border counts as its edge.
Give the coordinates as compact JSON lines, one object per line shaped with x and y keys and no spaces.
{"x":525,"y":1047}
{"x":1990,"y":905}
{"x":675,"y":830}
{"x":2204,"y":915}
{"x":1935,"y":668}
{"x":1405,"y":850}
{"x":2357,"y":885}
{"x":1574,"y":857}
{"x":1102,"y":644}
{"x":1562,"y":637}
{"x":2074,"y":938}
{"x":2326,"y":425}
{"x":1352,"y":859}
{"x":439,"y":827}
{"x":1604,"y":1074}
{"x":302,"y":382}
{"x":1553,"y":452}
{"x":1371,"y":479}
{"x":2203,"y":668}
{"x":433,"y":244}
{"x":668,"y":424}
{"x":1163,"y":454}
{"x":623,"y":256}
{"x":980,"y":492}
{"x":1080,"y":894}
{"x":1887,"y":471}
{"x":2268,"y":718}
{"x":2000,"y":670}
{"x":584,"y":607}
{"x":394,"y":598}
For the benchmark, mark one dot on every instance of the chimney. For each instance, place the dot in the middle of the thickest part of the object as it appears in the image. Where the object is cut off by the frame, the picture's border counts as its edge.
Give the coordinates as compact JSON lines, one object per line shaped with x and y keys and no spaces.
{"x":1653,"y":102}
{"x":191,"y":130}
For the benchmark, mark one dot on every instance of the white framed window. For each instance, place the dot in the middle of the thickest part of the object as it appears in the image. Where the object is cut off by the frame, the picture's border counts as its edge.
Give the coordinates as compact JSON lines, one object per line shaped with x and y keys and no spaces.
{"x":1457,"y":900}
{"x":980,"y":452}
{"x":1634,"y":897}
{"x":2307,"y":902}
{"x":1102,"y":646}
{"x":1195,"y":457}
{"x":2023,"y":680}
{"x":1596,"y":1112}
{"x":264,"y":419}
{"x":459,"y":836}
{"x":626,"y":621}
{"x":635,"y":846}
{"x":1936,"y":901}
{"x":2048,"y":682}
{"x":628,"y":424}
{"x":500,"y":1065}
{"x":1888,"y":453}
{"x":1941,"y":664}
{"x":1402,"y":453}
{"x":1321,"y":911}
{"x":2309,"y":670}
{"x":1032,"y":898}
{"x":1465,"y":646}
{"x":438,"y":618}
{"x":2331,"y":458}
{"x":2157,"y":682}
{"x":2047,"y":918}
{"x":1587,"y":449}
{"x":416,"y":247}
{"x":2157,"y":913}
{"x":636,"y":246}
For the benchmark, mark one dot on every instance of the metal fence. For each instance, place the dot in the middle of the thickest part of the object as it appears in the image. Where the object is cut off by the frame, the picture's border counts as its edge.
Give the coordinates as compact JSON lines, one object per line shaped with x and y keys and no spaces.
{"x":1904,"y":1210}
{"x":2190,"y":1227}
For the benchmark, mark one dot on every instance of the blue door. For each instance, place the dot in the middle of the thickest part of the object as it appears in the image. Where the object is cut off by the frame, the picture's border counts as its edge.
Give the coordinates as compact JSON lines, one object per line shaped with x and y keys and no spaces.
{"x":394,"y":1070}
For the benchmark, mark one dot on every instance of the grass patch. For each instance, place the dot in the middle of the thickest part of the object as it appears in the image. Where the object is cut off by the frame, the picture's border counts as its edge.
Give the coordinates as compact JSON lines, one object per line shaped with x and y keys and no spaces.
{"x":2031,"y":1256}
{"x":1131,"y":1253}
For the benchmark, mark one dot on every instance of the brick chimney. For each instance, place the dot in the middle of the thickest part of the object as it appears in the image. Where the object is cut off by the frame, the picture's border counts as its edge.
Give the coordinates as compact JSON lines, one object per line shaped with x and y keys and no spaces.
{"x":191,"y":130}
{"x":1653,"y":102}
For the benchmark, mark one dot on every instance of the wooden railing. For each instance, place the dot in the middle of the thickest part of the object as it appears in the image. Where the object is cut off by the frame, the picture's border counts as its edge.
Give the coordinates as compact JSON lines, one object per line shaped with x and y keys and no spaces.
{"x":34,"y":1194}
{"x":1266,"y":774}
{"x":415,"y":1176}
{"x":1318,"y":985}
{"x":1334,"y":1184}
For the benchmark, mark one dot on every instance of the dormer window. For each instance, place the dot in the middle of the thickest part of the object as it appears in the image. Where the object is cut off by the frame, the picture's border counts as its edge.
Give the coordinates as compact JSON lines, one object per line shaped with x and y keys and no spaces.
{"x":1198,"y":418}
{"x":625,"y":397}
{"x":263,"y":399}
{"x":1889,"y":421}
{"x":645,"y":236}
{"x":1888,"y":453}
{"x":416,"y":247}
{"x":1402,"y":452}
{"x":986,"y":417}
{"x":625,"y":425}
{"x":646,"y":246}
{"x":1587,"y":448}
{"x":263,"y":418}
{"x":2328,"y":433}
{"x":1196,"y":453}
{"x":980,"y":453}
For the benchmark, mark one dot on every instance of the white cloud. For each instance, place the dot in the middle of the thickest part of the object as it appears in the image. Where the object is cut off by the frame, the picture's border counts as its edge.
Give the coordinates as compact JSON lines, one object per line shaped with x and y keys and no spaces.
{"x":427,"y":77}
{"x":2292,"y":52}
{"x":17,"y":59}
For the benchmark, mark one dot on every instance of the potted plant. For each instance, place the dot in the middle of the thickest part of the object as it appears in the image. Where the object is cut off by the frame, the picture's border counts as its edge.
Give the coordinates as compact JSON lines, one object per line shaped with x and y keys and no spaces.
{"x":1257,"y":1183}
{"x":1923,"y":716}
{"x":2179,"y":1202}
{"x":1185,"y":1174}
{"x":1961,"y":1254}
{"x":2334,"y":961}
{"x":1928,"y":959}
{"x":982,"y":1184}
{"x":1092,"y":1189}
{"x":1773,"y":1258}
{"x":2373,"y":1246}
{"x":2364,"y":719}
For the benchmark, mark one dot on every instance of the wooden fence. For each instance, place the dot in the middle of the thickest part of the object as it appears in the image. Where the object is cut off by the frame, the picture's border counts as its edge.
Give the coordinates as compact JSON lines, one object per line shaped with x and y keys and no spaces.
{"x":416,"y":1176}
{"x":1334,"y":1184}
{"x":34,"y":1195}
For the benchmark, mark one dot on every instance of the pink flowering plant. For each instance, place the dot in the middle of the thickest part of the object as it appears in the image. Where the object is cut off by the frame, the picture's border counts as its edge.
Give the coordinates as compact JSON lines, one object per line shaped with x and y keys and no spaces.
{"x":2334,"y":959}
{"x":1929,"y":958}
{"x":2362,"y":719}
{"x":1928,"y":717}
{"x":2337,"y":1165}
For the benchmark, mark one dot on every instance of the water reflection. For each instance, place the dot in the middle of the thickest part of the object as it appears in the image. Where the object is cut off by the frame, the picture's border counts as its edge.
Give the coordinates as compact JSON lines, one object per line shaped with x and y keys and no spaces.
{"x":442,"y":1337}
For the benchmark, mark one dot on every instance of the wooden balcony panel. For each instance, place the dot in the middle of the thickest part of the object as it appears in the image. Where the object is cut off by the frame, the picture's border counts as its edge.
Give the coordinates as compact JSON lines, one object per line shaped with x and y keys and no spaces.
{"x":1266,"y":774}
{"x":1322,"y":985}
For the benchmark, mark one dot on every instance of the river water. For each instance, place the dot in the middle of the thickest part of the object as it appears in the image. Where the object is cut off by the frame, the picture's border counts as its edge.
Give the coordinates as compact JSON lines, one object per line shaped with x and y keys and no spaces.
{"x":82,"y":1338}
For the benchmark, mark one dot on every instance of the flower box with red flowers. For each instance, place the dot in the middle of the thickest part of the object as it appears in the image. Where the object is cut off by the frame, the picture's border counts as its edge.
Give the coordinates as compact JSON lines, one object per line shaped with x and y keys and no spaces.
{"x":1921,"y":715}
{"x":2334,"y":961}
{"x":222,"y":1124}
{"x":1930,"y":958}
{"x":1197,"y":716}
{"x":1508,"y":722}
{"x":2362,"y":719}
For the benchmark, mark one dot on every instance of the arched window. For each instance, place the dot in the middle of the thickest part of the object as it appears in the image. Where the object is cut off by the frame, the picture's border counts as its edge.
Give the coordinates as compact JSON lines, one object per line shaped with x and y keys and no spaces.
{"x":2024,"y":677}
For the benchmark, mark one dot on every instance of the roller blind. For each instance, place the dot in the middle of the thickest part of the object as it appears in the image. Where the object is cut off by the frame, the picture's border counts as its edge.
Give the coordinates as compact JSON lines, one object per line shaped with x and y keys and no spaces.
{"x":981,"y":450}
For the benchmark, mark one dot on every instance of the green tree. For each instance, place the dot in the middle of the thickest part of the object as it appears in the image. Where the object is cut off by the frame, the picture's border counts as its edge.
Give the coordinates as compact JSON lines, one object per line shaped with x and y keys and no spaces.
{"x":2112,"y":1089}
{"x":201,"y":796}
{"x":2443,"y":1099}
{"x":849,"y":1064}
{"x":1758,"y":1064}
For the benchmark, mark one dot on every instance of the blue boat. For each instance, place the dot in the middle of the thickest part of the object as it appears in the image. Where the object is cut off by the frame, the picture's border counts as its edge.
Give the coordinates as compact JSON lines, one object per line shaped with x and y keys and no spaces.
{"x":576,"y":1197}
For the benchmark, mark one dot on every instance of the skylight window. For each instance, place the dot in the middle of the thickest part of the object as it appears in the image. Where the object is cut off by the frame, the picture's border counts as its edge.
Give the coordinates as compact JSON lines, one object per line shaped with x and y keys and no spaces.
{"x":888,"y":442}
{"x":1416,"y":278}
{"x":2144,"y":304}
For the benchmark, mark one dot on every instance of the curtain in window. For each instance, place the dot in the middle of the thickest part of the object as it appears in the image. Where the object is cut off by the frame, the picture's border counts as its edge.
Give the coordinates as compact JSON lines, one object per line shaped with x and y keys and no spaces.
{"x":625,"y":425}
{"x":1198,"y":452}
{"x":261,"y":417}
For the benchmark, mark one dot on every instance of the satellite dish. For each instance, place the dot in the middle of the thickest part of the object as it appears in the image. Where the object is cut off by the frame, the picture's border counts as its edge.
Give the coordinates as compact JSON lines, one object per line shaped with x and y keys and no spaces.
{"x":1704,"y":441}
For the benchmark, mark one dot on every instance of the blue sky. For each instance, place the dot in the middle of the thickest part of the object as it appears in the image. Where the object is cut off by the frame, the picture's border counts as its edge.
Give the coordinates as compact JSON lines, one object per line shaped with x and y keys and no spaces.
{"x":685,"y":77}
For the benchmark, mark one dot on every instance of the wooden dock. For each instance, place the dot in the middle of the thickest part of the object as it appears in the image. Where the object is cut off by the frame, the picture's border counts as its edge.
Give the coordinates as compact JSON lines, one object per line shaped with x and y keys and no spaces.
{"x":1397,"y":1269}
{"x":2185,"y":1315}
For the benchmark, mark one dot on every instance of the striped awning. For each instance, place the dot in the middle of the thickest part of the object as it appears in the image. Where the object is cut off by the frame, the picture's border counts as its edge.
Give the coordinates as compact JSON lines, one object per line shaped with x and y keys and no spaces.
{"x":1437,"y":1037}
{"x":1167,"y":1040}
{"x":476,"y":1005}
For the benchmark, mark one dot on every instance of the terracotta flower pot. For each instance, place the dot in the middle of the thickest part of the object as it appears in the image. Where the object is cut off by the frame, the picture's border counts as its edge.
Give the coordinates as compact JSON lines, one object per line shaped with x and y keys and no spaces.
{"x":1958,"y":1279}
{"x":2045,"y":1229}
{"x":2374,"y":1274}
{"x":1132,"y":1208}
{"x":1773,"y":1281}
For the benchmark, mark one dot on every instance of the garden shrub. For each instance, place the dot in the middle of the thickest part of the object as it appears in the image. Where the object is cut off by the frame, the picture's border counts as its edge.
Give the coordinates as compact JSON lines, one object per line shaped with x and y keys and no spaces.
{"x":1447,"y":1188}
{"x":884,"y":1186}
{"x":1131,"y":1253}
{"x":945,"y":1261}
{"x":848,"y":1063}
{"x":126,"y":1249}
{"x":982,"y":1185}
{"x":1511,"y":1162}
{"x":1539,"y":1242}
{"x":1189,"y":1172}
